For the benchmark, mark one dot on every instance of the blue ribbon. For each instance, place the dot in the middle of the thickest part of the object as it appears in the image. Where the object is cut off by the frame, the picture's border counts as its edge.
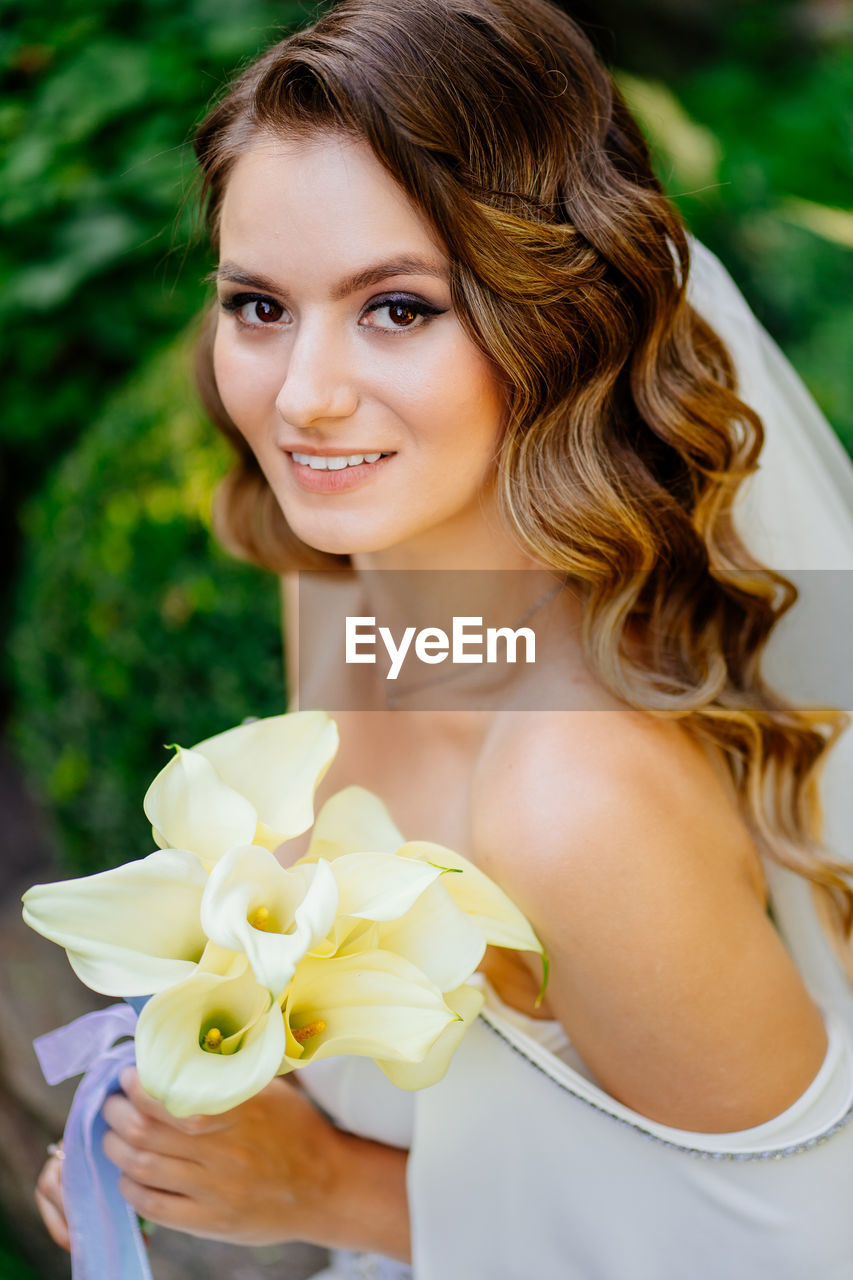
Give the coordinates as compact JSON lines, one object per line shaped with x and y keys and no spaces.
{"x":106,"y":1240}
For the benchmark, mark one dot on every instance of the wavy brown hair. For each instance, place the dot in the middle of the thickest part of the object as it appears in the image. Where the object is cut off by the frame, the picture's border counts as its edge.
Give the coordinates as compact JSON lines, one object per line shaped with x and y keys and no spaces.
{"x":625,"y":441}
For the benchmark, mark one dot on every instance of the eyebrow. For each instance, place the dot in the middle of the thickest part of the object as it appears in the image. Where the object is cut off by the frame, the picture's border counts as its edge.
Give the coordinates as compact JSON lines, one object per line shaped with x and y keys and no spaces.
{"x":361,"y":279}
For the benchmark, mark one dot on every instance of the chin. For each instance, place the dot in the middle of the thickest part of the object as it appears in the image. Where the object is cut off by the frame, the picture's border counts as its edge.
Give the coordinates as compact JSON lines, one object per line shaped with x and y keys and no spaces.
{"x":344,"y":542}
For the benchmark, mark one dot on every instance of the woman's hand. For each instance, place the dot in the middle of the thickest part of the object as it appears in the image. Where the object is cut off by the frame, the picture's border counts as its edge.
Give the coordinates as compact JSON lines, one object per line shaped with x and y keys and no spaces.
{"x":269,"y":1171}
{"x":49,"y":1199}
{"x":262,"y":1173}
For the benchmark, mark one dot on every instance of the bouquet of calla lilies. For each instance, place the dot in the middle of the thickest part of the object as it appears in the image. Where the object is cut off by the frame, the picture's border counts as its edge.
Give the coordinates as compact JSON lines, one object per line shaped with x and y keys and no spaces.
{"x":253,"y":968}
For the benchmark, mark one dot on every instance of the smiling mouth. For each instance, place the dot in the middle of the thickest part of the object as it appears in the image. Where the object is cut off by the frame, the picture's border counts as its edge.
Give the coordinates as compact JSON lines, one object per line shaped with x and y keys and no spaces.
{"x":339,"y":462}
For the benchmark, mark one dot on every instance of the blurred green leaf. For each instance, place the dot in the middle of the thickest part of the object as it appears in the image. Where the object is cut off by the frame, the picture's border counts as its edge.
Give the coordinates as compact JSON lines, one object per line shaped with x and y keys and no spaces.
{"x":133,"y":628}
{"x":97,"y":256}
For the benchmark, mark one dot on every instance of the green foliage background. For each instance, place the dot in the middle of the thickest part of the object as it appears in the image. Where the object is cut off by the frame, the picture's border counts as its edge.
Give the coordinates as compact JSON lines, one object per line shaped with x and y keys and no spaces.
{"x":127,"y":627}
{"x":12,"y":1265}
{"x":754,"y":139}
{"x":136,"y":629}
{"x":98,"y":107}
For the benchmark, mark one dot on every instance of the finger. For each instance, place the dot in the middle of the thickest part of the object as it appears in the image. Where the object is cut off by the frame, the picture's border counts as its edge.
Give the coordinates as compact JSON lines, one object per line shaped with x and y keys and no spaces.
{"x":149,"y":1169}
{"x":139,"y":1129}
{"x":129,"y":1081}
{"x":56,"y":1225}
{"x":166,"y":1208}
{"x":49,"y":1183}
{"x":50,"y":1178}
{"x":48,"y":1198}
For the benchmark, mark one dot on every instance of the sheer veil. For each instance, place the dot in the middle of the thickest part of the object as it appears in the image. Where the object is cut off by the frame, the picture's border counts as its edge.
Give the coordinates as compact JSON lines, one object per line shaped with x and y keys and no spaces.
{"x":796,"y":515}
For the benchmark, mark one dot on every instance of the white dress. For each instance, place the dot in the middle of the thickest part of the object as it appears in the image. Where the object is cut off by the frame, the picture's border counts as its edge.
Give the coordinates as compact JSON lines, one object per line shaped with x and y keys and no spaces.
{"x":521,"y":1166}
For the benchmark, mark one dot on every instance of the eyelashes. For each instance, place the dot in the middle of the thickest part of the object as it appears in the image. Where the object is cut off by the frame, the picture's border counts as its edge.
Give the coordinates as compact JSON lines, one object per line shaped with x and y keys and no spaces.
{"x":404,"y":302}
{"x":269,"y":312}
{"x":240,"y":300}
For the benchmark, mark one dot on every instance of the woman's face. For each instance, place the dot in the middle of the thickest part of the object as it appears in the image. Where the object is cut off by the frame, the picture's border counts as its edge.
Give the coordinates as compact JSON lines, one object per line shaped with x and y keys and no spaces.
{"x":336,"y":341}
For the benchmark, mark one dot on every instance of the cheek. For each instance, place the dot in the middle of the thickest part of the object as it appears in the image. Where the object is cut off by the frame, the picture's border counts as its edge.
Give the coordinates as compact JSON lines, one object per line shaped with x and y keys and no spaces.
{"x":246,"y":387}
{"x":473,"y":399}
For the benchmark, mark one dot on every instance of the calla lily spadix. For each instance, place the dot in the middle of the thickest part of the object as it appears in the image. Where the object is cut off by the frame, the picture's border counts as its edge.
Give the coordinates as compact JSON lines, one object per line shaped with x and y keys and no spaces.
{"x":372,"y":1004}
{"x":274,"y":914}
{"x":415,"y":917}
{"x":433,"y":934}
{"x":253,"y":784}
{"x":130,"y":931}
{"x":355,"y":817}
{"x":212,"y":1041}
{"x":428,"y":929}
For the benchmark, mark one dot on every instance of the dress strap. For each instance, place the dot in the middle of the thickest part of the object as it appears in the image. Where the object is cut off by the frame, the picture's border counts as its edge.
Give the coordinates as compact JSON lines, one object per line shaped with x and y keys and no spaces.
{"x":822,"y":1110}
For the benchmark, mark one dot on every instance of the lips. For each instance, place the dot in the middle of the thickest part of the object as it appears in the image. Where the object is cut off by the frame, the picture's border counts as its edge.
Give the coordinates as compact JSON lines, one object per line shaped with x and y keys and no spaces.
{"x":333,"y":462}
{"x":341,"y":452}
{"x":335,"y":481}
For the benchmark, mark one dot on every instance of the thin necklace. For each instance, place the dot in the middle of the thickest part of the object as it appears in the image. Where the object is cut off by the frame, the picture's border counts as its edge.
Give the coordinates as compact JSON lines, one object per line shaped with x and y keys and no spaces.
{"x":392,"y":697}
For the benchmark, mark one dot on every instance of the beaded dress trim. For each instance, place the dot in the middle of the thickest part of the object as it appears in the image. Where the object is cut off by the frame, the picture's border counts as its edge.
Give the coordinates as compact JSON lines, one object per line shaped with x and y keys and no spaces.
{"x":562,"y":1076}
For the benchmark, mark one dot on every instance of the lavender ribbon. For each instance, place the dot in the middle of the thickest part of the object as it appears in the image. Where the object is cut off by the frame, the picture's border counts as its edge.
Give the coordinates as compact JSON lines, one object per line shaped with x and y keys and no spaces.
{"x":106,"y":1241}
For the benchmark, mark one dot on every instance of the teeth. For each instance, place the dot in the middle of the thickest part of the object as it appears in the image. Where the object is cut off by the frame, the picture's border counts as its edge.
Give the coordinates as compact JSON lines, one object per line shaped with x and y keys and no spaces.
{"x":334,"y":464}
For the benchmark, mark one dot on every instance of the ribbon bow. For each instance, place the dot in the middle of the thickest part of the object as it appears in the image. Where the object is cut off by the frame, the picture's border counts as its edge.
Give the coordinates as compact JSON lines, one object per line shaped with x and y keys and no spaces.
{"x":106,"y":1240}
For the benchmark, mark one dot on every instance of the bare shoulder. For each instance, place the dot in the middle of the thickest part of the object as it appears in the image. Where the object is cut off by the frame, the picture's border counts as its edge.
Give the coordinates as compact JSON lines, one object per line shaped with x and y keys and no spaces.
{"x":612,"y":775}
{"x":615,"y":834}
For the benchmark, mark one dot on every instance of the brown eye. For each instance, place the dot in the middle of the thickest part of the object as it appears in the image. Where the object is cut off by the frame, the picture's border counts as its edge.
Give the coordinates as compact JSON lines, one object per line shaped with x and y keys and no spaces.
{"x":401,"y":313}
{"x":265,"y":310}
{"x":253,"y":310}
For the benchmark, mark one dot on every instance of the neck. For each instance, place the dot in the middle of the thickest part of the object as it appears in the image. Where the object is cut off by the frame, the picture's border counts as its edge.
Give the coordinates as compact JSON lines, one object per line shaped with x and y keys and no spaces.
{"x":467,"y":567}
{"x":469,"y":570}
{"x":433,"y":597}
{"x":473,"y":539}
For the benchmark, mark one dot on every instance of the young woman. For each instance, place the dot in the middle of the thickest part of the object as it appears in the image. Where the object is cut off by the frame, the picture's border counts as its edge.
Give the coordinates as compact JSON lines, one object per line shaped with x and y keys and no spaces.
{"x":460,"y":329}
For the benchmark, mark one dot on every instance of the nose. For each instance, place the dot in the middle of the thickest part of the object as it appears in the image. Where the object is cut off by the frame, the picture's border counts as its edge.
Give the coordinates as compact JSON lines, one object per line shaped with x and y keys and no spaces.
{"x":319,"y":383}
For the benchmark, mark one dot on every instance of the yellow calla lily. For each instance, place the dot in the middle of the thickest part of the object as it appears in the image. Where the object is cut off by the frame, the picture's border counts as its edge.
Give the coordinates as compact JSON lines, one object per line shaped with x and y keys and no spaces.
{"x":189,"y":806}
{"x":379,"y":886}
{"x":373,"y":1004}
{"x":442,"y":941}
{"x":211,"y":1042}
{"x":466,"y":1002}
{"x":253,"y":784}
{"x":353,"y":820}
{"x":347,"y":935}
{"x":416,"y":918}
{"x":381,"y":907}
{"x":274,"y":914}
{"x":484,"y":902}
{"x":364,"y":946}
{"x":130,"y":931}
